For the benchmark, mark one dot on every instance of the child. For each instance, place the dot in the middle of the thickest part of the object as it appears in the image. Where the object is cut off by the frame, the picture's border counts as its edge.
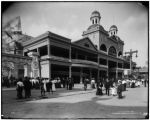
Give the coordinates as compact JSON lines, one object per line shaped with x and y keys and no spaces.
{"x":114,"y":90}
{"x":119,"y":90}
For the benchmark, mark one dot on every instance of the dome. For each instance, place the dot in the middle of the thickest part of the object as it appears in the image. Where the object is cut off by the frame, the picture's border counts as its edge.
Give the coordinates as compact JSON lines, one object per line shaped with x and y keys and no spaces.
{"x":95,"y":14}
{"x":113,"y":27}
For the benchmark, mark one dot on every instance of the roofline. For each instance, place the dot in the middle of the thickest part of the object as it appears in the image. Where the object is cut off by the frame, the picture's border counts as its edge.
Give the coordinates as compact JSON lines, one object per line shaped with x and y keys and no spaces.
{"x":88,"y":39}
{"x":44,"y":35}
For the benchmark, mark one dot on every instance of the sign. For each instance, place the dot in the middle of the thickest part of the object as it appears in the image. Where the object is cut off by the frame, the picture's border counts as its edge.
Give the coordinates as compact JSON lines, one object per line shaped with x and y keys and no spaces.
{"x":127,"y":72}
{"x":34,"y":64}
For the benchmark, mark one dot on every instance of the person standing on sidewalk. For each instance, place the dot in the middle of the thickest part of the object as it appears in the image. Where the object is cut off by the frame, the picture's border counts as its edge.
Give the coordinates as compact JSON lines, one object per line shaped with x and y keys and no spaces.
{"x":119,"y":89}
{"x":67,"y":83}
{"x":85,"y":83}
{"x":27,"y":87}
{"x":19,"y":88}
{"x":107,"y":86}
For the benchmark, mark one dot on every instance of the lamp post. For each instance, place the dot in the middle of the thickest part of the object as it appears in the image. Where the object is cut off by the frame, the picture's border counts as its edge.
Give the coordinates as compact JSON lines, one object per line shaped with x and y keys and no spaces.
{"x":130,"y":55}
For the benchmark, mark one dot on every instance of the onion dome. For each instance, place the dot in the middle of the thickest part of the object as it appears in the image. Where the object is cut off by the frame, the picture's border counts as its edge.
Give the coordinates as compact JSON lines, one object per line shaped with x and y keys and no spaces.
{"x":113,"y":27}
{"x":95,"y":14}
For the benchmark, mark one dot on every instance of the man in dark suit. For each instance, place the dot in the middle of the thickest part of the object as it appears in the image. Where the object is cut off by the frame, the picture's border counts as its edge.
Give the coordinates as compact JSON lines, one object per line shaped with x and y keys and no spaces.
{"x":107,"y":86}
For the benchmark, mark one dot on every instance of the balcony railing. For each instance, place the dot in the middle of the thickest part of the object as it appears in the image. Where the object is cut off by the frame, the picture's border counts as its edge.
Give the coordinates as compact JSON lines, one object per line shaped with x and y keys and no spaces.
{"x":84,"y":62}
{"x":59,"y":58}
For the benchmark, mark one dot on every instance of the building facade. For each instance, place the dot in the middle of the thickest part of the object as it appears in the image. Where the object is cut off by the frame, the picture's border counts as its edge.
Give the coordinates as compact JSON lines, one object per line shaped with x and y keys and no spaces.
{"x":99,"y":53}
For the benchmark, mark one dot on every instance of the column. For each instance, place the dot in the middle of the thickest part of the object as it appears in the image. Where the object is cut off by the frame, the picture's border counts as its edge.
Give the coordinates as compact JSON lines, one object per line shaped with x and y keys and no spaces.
{"x":116,"y":73}
{"x":50,"y":72}
{"x":48,"y":49}
{"x":116,"y":70}
{"x":98,"y":68}
{"x":69,"y":71}
{"x":98,"y":74}
{"x":107,"y":68}
{"x":70,"y":52}
{"x":81,"y":72}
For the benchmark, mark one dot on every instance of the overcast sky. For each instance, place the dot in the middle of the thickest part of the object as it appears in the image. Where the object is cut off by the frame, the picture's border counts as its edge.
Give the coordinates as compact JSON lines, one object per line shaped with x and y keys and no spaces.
{"x":70,"y":19}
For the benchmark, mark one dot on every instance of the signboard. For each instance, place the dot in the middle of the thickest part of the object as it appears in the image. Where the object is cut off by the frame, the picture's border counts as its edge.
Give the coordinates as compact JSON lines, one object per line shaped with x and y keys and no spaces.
{"x":127,"y":72}
{"x":34,"y":64}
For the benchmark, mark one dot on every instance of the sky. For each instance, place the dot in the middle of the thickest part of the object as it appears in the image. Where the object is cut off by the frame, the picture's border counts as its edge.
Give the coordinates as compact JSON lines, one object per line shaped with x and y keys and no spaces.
{"x":70,"y":19}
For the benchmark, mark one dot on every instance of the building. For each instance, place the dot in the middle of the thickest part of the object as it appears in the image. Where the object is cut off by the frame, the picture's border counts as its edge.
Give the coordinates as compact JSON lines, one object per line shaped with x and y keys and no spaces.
{"x":99,"y":53}
{"x":13,"y":61}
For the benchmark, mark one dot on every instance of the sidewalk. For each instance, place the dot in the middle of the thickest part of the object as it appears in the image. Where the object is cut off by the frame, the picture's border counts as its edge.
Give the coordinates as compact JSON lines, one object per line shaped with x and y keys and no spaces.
{"x":132,"y":97}
{"x":9,"y":94}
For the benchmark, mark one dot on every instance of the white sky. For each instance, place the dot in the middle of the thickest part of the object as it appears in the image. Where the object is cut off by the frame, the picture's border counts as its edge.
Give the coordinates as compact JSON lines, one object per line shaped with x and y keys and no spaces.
{"x":70,"y":19}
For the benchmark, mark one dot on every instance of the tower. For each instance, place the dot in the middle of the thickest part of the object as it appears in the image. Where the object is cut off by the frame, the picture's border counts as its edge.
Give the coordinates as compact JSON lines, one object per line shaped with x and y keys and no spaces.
{"x":113,"y":30}
{"x":95,"y":17}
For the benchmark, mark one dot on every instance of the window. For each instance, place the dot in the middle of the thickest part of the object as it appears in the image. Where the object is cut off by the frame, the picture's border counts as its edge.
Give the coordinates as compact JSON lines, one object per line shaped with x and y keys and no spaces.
{"x":103,"y":48}
{"x":93,"y":21}
{"x":86,"y":45}
{"x":112,"y":51}
{"x":96,"y":21}
{"x":119,"y":54}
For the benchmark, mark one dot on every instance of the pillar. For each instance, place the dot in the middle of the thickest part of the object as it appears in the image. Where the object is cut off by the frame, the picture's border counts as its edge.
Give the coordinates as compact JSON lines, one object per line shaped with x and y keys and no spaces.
{"x":70,"y":52}
{"x":116,"y":70}
{"x":97,"y":74}
{"x":70,"y":72}
{"x":49,"y":53}
{"x":107,"y":68}
{"x":116,"y":73}
{"x":81,"y":72}
{"x":50,"y":72}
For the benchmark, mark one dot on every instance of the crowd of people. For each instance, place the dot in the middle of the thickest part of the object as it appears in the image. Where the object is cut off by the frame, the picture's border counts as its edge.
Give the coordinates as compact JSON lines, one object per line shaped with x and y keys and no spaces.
{"x":44,"y":84}
{"x":111,"y":86}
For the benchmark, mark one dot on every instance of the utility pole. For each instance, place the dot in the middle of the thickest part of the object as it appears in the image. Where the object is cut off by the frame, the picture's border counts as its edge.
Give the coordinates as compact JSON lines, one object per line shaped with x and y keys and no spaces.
{"x":130,"y":53}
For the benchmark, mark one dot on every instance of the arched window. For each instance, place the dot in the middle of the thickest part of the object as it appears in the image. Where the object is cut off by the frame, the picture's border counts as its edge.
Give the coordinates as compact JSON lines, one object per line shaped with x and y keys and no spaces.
{"x":96,"y":21}
{"x":119,"y":54}
{"x":103,"y":48}
{"x":112,"y":51}
{"x":93,"y":21}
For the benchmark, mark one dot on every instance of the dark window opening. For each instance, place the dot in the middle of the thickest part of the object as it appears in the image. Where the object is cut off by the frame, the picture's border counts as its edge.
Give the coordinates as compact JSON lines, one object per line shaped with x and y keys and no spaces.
{"x":119,"y":65}
{"x":86,"y":45}
{"x":94,"y":59}
{"x":25,"y":53}
{"x":103,"y":48}
{"x":112,"y":51}
{"x":96,"y":21}
{"x":119,"y":54}
{"x":126,"y":65}
{"x":43,"y":50}
{"x":93,"y":21}
{"x":103,"y":61}
{"x":60,"y":52}
{"x":82,"y":57}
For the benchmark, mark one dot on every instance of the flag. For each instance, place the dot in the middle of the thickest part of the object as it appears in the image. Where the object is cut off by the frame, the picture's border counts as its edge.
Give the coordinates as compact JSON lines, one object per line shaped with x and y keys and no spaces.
{"x":11,"y":33}
{"x":13,"y":26}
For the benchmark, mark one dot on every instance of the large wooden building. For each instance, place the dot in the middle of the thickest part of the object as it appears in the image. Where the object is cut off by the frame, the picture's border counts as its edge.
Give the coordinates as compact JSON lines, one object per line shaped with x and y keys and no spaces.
{"x":99,"y":53}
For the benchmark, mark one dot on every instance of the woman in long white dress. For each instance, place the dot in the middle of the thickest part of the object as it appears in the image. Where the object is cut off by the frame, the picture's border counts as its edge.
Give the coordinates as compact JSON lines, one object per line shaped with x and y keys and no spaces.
{"x":53,"y":85}
{"x":114,"y":90}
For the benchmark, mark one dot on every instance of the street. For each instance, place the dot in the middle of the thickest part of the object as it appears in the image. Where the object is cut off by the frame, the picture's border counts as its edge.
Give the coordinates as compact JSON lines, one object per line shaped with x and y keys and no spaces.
{"x":76,"y":103}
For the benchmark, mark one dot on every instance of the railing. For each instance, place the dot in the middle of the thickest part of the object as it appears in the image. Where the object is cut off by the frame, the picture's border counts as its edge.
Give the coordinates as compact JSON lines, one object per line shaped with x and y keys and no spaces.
{"x":59,"y":58}
{"x":105,"y":66}
{"x":84,"y":62}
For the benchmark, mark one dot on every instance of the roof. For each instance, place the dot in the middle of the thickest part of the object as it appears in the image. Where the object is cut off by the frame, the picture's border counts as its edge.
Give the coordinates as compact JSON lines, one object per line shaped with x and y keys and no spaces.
{"x":85,"y":40}
{"x":95,"y":25}
{"x":95,"y":14}
{"x":114,"y":26}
